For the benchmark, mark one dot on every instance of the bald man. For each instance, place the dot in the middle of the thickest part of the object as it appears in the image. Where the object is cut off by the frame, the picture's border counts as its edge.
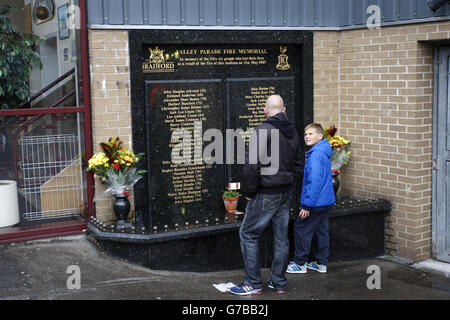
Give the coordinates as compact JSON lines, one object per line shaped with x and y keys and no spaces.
{"x":274,"y":105}
{"x":267,"y":187}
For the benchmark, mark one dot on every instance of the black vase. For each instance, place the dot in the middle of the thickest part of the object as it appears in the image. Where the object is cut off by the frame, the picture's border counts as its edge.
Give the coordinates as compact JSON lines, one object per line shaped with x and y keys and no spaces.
{"x":121,"y":206}
{"x":336,"y":182}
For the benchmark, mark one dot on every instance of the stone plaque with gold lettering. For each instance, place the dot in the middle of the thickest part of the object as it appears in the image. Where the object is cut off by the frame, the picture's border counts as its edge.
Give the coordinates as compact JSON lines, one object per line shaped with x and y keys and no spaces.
{"x":160,"y":58}
{"x":245,"y":101}
{"x":189,"y":90}
{"x":182,"y":185}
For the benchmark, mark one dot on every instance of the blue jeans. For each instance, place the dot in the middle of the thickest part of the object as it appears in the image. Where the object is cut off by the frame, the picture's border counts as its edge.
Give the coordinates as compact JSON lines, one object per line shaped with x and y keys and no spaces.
{"x":260,"y":211}
{"x":317,"y":223}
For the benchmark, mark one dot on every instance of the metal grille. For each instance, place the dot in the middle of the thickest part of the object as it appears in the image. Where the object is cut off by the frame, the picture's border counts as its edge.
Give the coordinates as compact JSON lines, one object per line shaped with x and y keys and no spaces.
{"x":52,"y":180}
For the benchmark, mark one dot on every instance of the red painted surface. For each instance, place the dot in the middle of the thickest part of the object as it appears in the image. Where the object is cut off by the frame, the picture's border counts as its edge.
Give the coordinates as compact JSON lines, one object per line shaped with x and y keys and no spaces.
{"x":73,"y":226}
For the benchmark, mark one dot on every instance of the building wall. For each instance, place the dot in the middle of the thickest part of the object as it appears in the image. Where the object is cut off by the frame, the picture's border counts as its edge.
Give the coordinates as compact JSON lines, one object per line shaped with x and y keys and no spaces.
{"x":326,"y":77}
{"x":376,"y":86}
{"x":384,"y":106}
{"x":110,"y":98}
{"x":257,"y":13}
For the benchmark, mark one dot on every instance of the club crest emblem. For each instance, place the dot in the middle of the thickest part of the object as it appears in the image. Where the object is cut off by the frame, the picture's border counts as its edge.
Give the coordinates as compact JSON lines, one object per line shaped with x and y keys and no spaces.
{"x":158,"y":61}
{"x":283,"y":59}
{"x":156,"y":55}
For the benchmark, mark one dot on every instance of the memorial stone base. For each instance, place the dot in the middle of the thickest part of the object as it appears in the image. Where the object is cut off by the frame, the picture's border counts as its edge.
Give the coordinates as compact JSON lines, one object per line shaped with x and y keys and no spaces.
{"x":356,"y":232}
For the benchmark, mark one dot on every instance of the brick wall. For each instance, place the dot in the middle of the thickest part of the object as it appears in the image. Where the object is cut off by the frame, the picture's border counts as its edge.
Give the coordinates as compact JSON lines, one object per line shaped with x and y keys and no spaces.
{"x":110,"y":98}
{"x":384,"y":105}
{"x":376,"y":86}
{"x":326,"y":76}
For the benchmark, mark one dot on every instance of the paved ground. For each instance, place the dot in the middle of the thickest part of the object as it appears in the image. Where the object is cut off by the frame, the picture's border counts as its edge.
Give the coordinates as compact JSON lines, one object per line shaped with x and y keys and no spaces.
{"x":42,"y":271}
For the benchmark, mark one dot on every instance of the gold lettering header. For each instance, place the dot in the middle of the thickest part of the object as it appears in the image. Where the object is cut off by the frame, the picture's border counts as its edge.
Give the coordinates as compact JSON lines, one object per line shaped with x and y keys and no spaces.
{"x":160,"y":61}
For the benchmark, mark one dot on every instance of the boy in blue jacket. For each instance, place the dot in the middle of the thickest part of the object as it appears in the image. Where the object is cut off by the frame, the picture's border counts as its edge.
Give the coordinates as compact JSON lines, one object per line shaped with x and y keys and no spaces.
{"x":316,"y":201}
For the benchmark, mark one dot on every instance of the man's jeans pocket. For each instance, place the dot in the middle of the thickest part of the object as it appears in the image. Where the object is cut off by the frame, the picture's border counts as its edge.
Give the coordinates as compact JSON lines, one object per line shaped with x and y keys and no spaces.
{"x":271,"y":202}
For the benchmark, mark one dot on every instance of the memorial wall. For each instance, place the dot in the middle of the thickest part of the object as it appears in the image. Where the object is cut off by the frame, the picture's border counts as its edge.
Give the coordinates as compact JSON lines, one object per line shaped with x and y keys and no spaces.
{"x":194,"y":105}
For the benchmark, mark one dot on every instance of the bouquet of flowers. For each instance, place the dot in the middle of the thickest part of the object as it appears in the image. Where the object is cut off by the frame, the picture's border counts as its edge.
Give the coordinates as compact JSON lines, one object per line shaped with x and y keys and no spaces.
{"x":339,"y":145}
{"x":115,"y":167}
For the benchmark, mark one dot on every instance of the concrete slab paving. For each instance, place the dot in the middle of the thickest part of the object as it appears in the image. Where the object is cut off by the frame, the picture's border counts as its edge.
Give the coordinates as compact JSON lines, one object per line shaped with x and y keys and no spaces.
{"x":433,"y":266}
{"x":44,"y":270}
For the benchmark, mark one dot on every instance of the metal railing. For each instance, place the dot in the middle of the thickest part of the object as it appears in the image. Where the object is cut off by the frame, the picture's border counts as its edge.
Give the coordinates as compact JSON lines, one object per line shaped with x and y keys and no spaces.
{"x":46,"y":88}
{"x":24,"y":126}
{"x":50,"y":165}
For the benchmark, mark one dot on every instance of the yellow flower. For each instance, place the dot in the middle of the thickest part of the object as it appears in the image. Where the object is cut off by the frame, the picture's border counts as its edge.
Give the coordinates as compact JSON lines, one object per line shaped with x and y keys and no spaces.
{"x":337,"y":141}
{"x":97,"y":159}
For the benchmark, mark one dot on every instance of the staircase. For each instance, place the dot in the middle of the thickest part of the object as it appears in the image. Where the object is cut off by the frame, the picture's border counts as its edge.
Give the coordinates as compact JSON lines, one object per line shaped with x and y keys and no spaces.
{"x":47,"y":164}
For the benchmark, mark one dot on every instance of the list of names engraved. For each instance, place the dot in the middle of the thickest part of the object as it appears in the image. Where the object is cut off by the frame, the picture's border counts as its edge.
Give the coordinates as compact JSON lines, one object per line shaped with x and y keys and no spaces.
{"x":185,"y":112}
{"x":253,"y":113}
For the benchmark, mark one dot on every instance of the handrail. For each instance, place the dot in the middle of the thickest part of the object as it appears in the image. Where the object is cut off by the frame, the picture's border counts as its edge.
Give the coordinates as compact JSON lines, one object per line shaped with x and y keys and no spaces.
{"x":41,"y":92}
{"x":37,"y":116}
{"x":26,"y":124}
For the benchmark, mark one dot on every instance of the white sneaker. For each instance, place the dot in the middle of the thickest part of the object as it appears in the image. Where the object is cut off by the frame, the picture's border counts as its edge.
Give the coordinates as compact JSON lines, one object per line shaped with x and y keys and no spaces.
{"x":317,"y":267}
{"x":295,"y":268}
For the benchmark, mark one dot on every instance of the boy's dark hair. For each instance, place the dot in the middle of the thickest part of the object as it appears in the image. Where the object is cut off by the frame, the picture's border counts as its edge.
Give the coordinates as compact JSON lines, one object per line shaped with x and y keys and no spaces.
{"x":316,"y":126}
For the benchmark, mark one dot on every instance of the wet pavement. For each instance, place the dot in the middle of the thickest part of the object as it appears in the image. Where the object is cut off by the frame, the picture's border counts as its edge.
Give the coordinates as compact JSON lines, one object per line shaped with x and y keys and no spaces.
{"x":74,"y":269}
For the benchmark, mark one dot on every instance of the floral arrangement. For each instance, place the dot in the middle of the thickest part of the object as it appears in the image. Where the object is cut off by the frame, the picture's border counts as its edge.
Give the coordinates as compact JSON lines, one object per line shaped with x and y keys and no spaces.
{"x":339,"y":145}
{"x":115,"y":167}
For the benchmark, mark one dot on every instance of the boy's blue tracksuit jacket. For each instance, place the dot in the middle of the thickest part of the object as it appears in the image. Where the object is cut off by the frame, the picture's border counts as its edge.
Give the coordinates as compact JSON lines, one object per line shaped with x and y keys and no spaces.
{"x":317,"y":189}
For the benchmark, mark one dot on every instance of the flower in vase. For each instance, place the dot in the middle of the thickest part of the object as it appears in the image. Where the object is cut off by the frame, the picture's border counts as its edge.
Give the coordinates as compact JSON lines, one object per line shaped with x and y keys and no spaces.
{"x":339,"y":145}
{"x":116,"y":167}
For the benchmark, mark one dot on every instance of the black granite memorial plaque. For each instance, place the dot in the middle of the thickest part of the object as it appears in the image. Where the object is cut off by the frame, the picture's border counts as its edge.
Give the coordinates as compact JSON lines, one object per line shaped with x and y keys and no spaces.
{"x":195,"y":81}
{"x":183,"y":187}
{"x":220,"y":59}
{"x":245,"y":99}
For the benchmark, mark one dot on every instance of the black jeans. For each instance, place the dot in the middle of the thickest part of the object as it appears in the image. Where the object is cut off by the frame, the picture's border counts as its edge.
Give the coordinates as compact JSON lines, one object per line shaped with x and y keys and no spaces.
{"x":317,"y":223}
